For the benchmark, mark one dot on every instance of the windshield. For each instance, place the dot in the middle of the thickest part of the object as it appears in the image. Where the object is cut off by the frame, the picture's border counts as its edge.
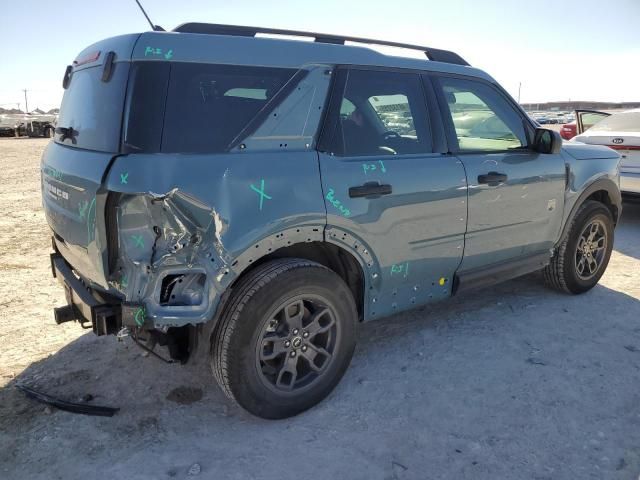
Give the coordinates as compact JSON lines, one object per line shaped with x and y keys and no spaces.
{"x":620,"y":122}
{"x":93,"y":109}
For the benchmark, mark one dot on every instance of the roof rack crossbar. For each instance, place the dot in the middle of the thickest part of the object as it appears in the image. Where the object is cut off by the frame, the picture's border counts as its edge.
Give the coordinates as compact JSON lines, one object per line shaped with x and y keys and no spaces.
{"x":433,"y":54}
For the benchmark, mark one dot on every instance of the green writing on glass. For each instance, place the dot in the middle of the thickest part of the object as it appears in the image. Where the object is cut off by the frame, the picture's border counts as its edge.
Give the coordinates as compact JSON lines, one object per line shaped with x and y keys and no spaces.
{"x":124,"y":177}
{"x":158,"y":52}
{"x":373,"y":167}
{"x":260,"y":192}
{"x":337,"y":203}
{"x":400,"y":269}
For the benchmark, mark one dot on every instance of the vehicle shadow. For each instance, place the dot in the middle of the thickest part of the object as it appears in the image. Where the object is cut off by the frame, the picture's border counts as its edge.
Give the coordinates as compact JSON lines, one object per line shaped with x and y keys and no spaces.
{"x":628,"y":230}
{"x":493,"y":376}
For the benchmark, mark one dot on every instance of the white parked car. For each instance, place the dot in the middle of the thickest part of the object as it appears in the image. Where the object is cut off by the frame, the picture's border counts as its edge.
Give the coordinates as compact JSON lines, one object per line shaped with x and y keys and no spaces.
{"x":620,"y":131}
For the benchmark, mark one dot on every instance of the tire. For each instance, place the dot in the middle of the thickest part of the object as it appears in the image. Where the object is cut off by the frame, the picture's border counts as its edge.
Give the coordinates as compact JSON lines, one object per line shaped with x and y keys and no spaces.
{"x":251,"y":354}
{"x":564,"y":271}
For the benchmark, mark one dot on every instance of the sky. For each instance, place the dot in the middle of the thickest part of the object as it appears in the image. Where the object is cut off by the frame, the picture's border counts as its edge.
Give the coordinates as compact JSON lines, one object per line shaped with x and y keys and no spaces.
{"x":551,"y":49}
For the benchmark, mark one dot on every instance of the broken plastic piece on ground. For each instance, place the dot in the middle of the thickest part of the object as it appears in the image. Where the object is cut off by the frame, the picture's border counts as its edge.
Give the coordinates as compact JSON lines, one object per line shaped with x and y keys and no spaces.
{"x":96,"y":410}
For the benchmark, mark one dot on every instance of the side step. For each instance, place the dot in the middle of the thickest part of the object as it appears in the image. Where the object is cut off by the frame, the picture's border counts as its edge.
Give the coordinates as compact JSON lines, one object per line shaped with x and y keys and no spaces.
{"x":493,"y":274}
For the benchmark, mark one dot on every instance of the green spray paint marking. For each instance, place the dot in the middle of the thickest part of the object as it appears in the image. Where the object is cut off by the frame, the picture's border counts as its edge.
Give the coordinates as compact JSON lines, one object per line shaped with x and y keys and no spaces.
{"x":260,"y":191}
{"x":151,"y":51}
{"x":400,"y":268}
{"x":124,"y":177}
{"x":372,"y":167}
{"x":91,"y":221}
{"x":140,"y":316}
{"x":87,"y":212}
{"x":337,"y":203}
{"x":138,"y":241}
{"x":53,"y":173}
{"x":82,"y":209}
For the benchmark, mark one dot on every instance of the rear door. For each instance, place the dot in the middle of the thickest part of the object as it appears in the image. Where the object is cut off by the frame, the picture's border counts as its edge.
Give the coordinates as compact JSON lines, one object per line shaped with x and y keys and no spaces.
{"x":516,"y":195}
{"x":585,"y":119}
{"x":390,"y":191}
{"x":75,"y":162}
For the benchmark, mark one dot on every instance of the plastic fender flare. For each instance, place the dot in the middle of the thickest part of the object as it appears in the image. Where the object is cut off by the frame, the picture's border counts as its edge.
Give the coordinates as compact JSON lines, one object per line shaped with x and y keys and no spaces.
{"x":601,"y":183}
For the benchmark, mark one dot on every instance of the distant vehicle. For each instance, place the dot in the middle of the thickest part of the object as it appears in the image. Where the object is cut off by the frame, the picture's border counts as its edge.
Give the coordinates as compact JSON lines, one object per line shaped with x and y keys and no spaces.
{"x":568,"y":130}
{"x":620,"y":131}
{"x":31,"y":124}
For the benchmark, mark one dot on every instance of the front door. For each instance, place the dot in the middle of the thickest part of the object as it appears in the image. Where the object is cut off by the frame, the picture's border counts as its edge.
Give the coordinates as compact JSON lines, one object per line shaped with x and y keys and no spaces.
{"x":388,"y":192}
{"x":516,"y":195}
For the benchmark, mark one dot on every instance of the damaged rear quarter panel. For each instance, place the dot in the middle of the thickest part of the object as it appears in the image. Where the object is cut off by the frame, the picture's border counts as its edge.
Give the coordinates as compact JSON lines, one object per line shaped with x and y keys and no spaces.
{"x":207,"y":214}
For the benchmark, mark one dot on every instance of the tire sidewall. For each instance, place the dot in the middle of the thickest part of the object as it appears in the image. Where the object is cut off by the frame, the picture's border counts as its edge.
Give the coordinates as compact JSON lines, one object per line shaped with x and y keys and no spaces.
{"x":589,"y":214}
{"x":251,"y":393}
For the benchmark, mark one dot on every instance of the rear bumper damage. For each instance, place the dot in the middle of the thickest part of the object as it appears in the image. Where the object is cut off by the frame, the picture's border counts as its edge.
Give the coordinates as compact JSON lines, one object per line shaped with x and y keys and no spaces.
{"x":105,"y":314}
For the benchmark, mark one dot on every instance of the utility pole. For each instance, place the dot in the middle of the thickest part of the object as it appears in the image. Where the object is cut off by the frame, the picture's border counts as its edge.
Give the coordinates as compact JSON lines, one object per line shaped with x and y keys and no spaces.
{"x":519,"y":87}
{"x":26,"y":103}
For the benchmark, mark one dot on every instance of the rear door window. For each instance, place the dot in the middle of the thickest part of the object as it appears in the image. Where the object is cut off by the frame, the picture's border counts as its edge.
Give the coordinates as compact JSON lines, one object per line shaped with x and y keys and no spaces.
{"x":93,"y":108}
{"x":208,"y":106}
{"x":380,"y":113}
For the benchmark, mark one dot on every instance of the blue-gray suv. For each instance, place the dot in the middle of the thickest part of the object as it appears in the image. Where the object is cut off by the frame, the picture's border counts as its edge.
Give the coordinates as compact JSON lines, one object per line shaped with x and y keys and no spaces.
{"x":248,"y":201}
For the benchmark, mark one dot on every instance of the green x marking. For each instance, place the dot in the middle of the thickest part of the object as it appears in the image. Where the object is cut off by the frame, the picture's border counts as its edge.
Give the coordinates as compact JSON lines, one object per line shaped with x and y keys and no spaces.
{"x":124,"y":177}
{"x":260,"y":191}
{"x":138,"y":241}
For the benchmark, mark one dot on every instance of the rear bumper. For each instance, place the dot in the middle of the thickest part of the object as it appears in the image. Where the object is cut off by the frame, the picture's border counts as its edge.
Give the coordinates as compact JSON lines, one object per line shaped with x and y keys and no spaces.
{"x":106,"y":314}
{"x":630,"y":182}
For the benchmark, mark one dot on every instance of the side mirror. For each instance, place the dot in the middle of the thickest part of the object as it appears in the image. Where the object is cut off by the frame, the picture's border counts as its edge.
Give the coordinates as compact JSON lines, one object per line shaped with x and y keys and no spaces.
{"x":547,"y":141}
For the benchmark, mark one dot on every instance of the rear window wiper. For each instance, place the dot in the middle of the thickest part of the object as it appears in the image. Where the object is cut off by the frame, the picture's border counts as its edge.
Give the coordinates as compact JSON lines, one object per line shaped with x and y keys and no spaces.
{"x":67,"y":132}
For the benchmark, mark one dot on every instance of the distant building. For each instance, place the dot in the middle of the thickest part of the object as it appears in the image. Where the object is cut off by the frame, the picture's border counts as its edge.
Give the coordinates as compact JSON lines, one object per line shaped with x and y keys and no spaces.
{"x":580,"y":105}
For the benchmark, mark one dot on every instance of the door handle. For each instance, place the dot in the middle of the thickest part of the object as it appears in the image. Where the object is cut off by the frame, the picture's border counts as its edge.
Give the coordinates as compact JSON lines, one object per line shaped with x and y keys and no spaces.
{"x":493,"y":179}
{"x":370,"y":189}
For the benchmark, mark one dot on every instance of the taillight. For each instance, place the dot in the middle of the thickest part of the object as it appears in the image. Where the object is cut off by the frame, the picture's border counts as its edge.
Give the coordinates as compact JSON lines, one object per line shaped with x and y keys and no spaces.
{"x":624,"y":147}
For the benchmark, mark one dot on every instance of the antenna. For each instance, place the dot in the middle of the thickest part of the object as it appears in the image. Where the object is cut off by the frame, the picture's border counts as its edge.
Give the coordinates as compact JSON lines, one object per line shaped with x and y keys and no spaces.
{"x":155,"y":28}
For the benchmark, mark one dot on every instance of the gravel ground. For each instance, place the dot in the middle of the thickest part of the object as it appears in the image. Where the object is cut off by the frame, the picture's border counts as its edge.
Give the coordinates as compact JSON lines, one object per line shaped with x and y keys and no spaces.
{"x":514,"y":382}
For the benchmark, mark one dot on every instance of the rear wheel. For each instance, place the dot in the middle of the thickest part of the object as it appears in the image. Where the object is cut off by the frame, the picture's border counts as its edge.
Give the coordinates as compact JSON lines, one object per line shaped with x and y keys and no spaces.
{"x":285,"y":338}
{"x":584,"y":253}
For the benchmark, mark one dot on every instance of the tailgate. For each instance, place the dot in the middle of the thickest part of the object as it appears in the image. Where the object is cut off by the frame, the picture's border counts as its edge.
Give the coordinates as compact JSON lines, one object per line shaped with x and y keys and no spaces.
{"x":74,"y":206}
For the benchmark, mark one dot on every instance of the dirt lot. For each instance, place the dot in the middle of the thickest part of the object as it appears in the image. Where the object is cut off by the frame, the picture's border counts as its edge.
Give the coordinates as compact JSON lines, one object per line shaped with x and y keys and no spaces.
{"x":516,"y":382}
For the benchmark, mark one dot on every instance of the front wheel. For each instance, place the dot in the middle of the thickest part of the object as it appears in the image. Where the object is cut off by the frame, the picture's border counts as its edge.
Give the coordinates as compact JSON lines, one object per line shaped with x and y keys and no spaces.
{"x":584,"y":253}
{"x":285,"y":338}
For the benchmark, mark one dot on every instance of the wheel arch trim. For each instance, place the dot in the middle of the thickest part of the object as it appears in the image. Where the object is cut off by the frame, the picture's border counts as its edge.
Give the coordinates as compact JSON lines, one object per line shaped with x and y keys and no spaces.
{"x":601,"y":184}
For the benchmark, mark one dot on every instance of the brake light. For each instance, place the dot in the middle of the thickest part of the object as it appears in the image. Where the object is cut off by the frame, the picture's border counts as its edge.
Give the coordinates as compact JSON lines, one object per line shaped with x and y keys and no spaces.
{"x":624,"y":147}
{"x":92,"y":57}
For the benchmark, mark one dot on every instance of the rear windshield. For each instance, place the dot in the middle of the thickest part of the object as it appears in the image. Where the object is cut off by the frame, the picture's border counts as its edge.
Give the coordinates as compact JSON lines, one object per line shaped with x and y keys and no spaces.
{"x":208,"y":106}
{"x":93,"y":109}
{"x":620,"y":122}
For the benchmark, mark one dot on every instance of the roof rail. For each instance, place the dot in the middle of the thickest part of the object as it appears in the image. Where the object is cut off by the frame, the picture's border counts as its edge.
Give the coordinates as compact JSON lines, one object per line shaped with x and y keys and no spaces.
{"x":433,"y":54}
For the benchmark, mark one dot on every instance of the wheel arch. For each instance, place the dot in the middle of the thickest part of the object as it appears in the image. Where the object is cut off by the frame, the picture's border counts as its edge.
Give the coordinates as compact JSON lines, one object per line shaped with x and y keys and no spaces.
{"x":336,"y":257}
{"x":603,"y":190}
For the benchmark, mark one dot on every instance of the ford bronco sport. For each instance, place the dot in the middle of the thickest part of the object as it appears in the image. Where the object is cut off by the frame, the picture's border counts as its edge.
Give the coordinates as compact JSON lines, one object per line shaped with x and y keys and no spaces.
{"x":250,"y":200}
